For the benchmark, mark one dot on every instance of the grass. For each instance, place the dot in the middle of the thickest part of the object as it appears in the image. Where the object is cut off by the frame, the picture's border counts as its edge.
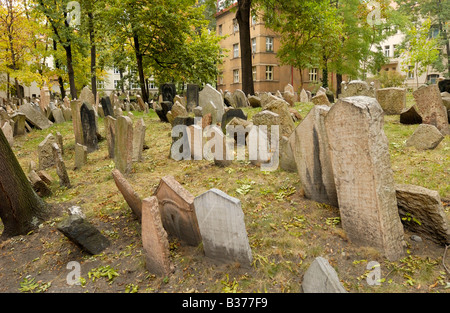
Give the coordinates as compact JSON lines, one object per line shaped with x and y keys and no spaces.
{"x":285,"y":230}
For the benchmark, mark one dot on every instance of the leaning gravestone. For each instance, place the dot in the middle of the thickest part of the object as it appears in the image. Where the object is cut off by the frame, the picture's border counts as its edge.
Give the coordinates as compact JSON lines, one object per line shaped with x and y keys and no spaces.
{"x":87,"y":96}
{"x":89,"y":127}
{"x":45,"y":152}
{"x":123,"y":151}
{"x":222,"y":227}
{"x":392,"y":100}
{"x":191,"y":97}
{"x":162,"y":110}
{"x":131,"y":197}
{"x":304,"y":96}
{"x":34,"y":117}
{"x":208,"y":95}
{"x":430,"y":107}
{"x":363,"y":175}
{"x":58,"y":116}
{"x":309,"y":143}
{"x":83,"y":234}
{"x":64,"y":180}
{"x":154,"y":239}
{"x":422,"y":212}
{"x":240,"y":99}
{"x":321,"y":278}
{"x":176,"y":206}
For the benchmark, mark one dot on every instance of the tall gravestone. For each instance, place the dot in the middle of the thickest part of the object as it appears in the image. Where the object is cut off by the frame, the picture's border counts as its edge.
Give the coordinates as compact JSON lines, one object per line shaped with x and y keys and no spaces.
{"x":191,"y":97}
{"x":89,"y":127}
{"x":108,"y":109}
{"x":431,"y":108}
{"x":138,"y":140}
{"x":210,"y":94}
{"x":222,"y":227}
{"x":363,"y":175}
{"x":176,"y":205}
{"x":168,"y":92}
{"x":309,"y":143}
{"x":123,"y":152}
{"x":76,"y":121}
{"x":110,"y":128}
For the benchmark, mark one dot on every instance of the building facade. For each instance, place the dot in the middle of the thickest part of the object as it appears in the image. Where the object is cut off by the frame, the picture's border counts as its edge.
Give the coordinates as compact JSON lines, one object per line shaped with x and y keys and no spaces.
{"x":268,"y":73}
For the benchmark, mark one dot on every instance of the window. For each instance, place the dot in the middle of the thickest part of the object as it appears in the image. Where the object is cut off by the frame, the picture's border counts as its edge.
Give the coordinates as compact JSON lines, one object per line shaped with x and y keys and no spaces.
{"x":100,"y":84}
{"x":221,"y":79}
{"x":116,"y":84}
{"x":313,"y":74}
{"x":253,"y":45}
{"x":254,"y":73}
{"x":387,"y":51}
{"x":410,"y":72}
{"x":432,"y":78}
{"x":253,"y":20}
{"x":236,"y":76}
{"x":135,"y":85}
{"x":116,"y":70}
{"x":235,"y":26}
{"x":269,"y":72}
{"x":394,"y":50}
{"x":269,"y":44}
{"x":434,"y":32}
{"x":236,"y":50}
{"x":220,"y":30}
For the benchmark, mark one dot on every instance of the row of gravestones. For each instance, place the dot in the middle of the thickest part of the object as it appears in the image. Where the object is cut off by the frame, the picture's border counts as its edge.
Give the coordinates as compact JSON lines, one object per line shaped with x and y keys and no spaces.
{"x":212,"y":218}
{"x":342,"y":157}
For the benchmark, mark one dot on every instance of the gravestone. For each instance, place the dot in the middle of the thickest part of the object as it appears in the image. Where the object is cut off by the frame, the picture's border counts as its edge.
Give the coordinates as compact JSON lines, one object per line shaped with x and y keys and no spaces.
{"x":154,"y":239}
{"x":309,"y":143}
{"x":45,"y":152}
{"x":430,"y":107}
{"x":131,"y":197}
{"x":59,"y":141}
{"x":34,"y":117}
{"x":44,"y":99}
{"x":240,"y":99}
{"x":58,"y":116}
{"x":229,"y":115}
{"x":422,"y":212}
{"x":222,"y":227}
{"x":81,"y":153}
{"x":392,"y":100}
{"x":363,"y":175}
{"x":76,"y":121}
{"x":287,"y":160}
{"x":191,"y":97}
{"x":280,"y":107}
{"x":8,"y":131}
{"x":357,"y":88}
{"x":39,"y":186}
{"x":211,"y":108}
{"x":168,"y":92}
{"x":107,"y":106}
{"x":89,"y":127}
{"x":141,"y":104}
{"x":425,"y":137}
{"x":254,"y":101}
{"x":123,"y":151}
{"x":87,"y":96}
{"x":83,"y":234}
{"x":138,"y":139}
{"x":304,"y":96}
{"x":67,"y":113}
{"x":61,"y":171}
{"x":176,"y":206}
{"x":320,"y":99}
{"x":210,"y":94}
{"x":178,"y":110}
{"x":163,"y":109}
{"x":410,"y":116}
{"x":320,"y":277}
{"x":444,"y":85}
{"x":110,"y":128}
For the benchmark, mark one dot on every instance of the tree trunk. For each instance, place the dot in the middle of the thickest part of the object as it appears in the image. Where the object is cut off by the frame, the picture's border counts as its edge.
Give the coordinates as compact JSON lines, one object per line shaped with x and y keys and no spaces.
{"x":325,"y":73}
{"x":70,"y":72}
{"x":93,"y":55}
{"x":243,"y":18}
{"x":58,"y":66}
{"x":21,"y":209}
{"x":338,"y":84}
{"x":140,"y":67}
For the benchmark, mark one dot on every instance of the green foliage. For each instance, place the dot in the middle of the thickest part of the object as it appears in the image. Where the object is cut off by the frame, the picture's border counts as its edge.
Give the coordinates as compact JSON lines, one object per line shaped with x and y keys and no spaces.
{"x":30,"y":285}
{"x":103,"y":271}
{"x":390,"y":79}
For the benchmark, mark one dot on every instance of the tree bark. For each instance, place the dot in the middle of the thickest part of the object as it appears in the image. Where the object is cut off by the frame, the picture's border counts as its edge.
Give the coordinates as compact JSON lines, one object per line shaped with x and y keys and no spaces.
{"x":93,"y":55}
{"x":338,"y":84}
{"x":58,"y":66}
{"x":21,"y":209}
{"x":243,"y":19}
{"x":70,"y":71}
{"x":140,"y":67}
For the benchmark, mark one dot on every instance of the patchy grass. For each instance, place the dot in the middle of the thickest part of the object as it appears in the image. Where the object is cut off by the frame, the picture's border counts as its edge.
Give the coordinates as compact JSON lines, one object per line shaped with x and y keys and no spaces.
{"x":285,"y":230}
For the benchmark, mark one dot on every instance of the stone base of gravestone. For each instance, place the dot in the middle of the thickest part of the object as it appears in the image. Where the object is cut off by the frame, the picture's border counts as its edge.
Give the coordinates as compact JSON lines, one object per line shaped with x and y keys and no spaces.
{"x":321,"y":278}
{"x":83,"y":234}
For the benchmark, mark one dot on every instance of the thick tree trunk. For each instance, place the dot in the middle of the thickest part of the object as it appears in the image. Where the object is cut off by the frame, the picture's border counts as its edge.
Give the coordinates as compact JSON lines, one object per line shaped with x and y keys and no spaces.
{"x":338,"y":84}
{"x":140,"y":67}
{"x":243,"y":18}
{"x":21,"y":209}
{"x":70,"y":71}
{"x":60,"y":79}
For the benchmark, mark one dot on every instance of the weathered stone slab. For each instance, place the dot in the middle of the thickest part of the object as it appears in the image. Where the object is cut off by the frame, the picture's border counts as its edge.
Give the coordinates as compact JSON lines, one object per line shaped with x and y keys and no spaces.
{"x":154,"y":239}
{"x":392,"y":100}
{"x":425,"y":137}
{"x":229,"y":115}
{"x":108,"y":109}
{"x":123,"y":152}
{"x":210,"y":94}
{"x":363,"y":175}
{"x":254,"y":101}
{"x":176,"y":206}
{"x":320,"y":99}
{"x":58,"y":116}
{"x":410,"y":116}
{"x":192,"y":97}
{"x":89,"y":127}
{"x":110,"y":128}
{"x":321,"y":278}
{"x":87,"y":96}
{"x":81,"y":153}
{"x":35,"y":118}
{"x":222,"y":227}
{"x":240,"y":99}
{"x":422,"y":212}
{"x":44,"y":99}
{"x":280,"y":107}
{"x":64,"y":180}
{"x":131,"y":197}
{"x":19,"y":123}
{"x":309,"y":143}
{"x":357,"y":88}
{"x":431,"y":108}
{"x":138,"y":139}
{"x":76,"y":121}
{"x":168,"y":92}
{"x":8,"y":131}
{"x":45,"y":152}
{"x":39,"y":186}
{"x":83,"y":234}
{"x":304,"y":96}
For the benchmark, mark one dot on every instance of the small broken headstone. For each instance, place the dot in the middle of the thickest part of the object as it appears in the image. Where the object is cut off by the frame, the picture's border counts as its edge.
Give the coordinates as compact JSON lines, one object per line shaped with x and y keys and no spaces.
{"x":321,"y":278}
